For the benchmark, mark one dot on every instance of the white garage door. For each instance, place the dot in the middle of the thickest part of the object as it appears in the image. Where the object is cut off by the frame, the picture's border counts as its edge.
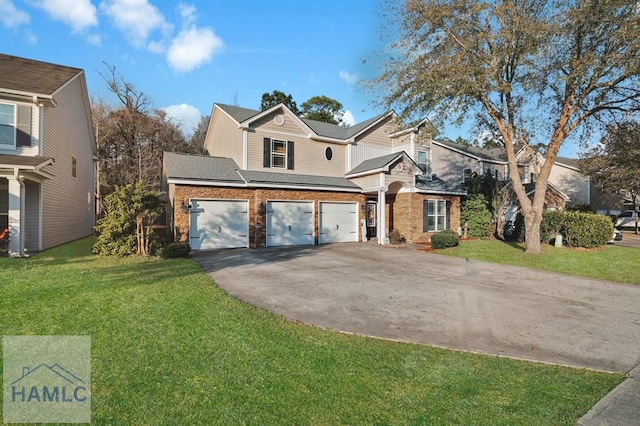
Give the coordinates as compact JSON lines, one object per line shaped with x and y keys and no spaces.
{"x":338,"y":222}
{"x":217,"y":224}
{"x":289,"y":223}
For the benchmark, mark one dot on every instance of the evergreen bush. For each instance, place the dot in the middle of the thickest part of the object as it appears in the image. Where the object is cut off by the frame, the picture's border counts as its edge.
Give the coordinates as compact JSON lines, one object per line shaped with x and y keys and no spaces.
{"x":445,"y":239}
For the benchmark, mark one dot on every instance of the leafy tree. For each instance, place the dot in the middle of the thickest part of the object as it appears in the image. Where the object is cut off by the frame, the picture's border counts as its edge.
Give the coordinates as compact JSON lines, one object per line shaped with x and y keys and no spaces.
{"x":277,"y":97}
{"x":484,"y":210}
{"x":613,"y":164}
{"x":531,"y":67}
{"x":323,"y":108}
{"x":126,"y":227}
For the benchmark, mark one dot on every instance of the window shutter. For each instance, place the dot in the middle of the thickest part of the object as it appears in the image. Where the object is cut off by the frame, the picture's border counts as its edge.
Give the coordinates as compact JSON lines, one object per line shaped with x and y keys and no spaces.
{"x":23,"y":132}
{"x":290,"y":155}
{"x":425,"y":216}
{"x":448,"y":215}
{"x":266,"y":153}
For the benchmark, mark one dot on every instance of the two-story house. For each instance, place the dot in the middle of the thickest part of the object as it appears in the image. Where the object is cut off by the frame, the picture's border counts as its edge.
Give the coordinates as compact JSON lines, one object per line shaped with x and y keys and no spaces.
{"x":47,"y":149}
{"x":272,"y":178}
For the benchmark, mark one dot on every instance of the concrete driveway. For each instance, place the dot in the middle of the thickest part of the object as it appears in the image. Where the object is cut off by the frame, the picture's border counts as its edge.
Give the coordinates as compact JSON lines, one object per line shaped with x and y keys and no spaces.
{"x":455,"y":303}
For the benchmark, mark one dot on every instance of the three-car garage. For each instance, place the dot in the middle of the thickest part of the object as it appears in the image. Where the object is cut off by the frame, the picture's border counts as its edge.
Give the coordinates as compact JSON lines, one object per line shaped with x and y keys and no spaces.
{"x":216,"y":224}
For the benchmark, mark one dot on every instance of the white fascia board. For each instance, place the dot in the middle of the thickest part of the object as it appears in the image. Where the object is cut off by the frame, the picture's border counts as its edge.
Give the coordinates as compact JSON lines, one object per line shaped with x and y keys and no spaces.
{"x":299,"y":187}
{"x":368,"y":172}
{"x":435,"y":191}
{"x":319,"y":138}
{"x":206,"y":183}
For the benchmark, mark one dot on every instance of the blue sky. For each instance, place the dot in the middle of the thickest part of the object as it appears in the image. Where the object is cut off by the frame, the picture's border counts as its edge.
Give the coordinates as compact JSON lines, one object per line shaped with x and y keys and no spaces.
{"x":187,"y":55}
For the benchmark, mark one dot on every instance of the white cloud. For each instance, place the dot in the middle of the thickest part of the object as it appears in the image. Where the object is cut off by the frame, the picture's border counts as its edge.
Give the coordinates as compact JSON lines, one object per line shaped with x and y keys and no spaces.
{"x":12,"y":17}
{"x":192,"y":48}
{"x":137,"y":19}
{"x":94,"y":39}
{"x":349,"y":78}
{"x":30,"y":37}
{"x":348,"y":118}
{"x":187,"y":12}
{"x":187,"y":116}
{"x":78,"y":14}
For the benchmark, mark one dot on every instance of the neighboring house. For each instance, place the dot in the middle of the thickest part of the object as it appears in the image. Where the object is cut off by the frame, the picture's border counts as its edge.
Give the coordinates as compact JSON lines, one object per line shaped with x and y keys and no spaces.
{"x":272,"y":178}
{"x":47,"y":149}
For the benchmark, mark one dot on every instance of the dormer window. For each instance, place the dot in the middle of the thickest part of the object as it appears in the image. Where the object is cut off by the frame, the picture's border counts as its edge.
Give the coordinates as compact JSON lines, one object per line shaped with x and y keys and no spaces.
{"x":7,"y":125}
{"x":278,"y":154}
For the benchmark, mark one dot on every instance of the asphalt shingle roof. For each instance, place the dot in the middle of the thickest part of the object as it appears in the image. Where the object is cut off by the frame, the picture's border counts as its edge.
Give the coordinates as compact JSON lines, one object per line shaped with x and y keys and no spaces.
{"x":29,"y":76}
{"x":571,"y":162}
{"x":322,"y":129}
{"x":257,"y":177}
{"x":219,"y":169}
{"x":201,"y":167}
{"x":437,"y":185}
{"x":495,"y":154}
{"x":374,"y":163}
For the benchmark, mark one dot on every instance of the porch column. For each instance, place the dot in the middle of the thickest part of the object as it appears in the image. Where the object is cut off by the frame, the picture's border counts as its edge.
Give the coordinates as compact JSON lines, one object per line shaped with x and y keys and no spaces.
{"x":382,"y":220}
{"x":16,"y":217}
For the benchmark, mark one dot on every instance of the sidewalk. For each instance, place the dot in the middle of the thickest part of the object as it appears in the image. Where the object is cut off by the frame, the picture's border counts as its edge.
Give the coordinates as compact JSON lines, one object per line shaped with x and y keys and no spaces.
{"x":621,"y":406}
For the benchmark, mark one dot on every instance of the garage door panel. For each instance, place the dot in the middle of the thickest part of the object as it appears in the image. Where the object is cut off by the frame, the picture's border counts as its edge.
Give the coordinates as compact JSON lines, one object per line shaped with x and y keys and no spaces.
{"x":289,"y":223}
{"x":218,"y":224}
{"x":338,"y":222}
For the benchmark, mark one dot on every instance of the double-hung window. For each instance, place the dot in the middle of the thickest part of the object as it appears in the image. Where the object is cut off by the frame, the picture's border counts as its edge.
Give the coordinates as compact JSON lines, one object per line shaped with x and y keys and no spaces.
{"x":422,"y":162}
{"x":278,"y":154}
{"x":434,"y":215}
{"x":7,"y":126}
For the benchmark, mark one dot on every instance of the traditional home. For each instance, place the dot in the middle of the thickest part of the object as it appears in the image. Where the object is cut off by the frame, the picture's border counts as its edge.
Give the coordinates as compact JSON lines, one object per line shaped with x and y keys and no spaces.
{"x":47,"y":149}
{"x":272,"y":178}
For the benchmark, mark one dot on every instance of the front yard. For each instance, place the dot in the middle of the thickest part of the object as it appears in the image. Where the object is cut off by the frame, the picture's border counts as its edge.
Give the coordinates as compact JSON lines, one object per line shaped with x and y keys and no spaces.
{"x":169,"y":347}
{"x":609,"y":263}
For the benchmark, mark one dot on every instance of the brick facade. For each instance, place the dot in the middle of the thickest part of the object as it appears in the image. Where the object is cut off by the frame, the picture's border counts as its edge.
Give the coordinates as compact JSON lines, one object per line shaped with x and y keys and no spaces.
{"x":404,"y":212}
{"x":257,"y":218}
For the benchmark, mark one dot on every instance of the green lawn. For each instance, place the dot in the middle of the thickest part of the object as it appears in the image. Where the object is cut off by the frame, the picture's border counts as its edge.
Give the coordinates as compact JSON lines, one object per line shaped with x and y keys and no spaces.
{"x":607,"y":263}
{"x":168,"y":347}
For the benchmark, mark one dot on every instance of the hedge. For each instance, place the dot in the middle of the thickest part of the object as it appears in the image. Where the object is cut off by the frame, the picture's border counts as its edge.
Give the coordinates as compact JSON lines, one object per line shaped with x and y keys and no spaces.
{"x":578,"y":229}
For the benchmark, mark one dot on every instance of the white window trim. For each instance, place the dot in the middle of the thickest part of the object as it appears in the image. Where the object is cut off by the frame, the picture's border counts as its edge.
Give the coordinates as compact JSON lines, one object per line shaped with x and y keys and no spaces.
{"x":426,"y":161}
{"x":436,"y":215}
{"x":15,"y":127}
{"x":273,"y":152}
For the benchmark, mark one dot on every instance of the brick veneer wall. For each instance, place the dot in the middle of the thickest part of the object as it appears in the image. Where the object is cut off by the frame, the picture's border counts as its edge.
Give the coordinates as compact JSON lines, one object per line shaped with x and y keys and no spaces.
{"x":257,"y":220}
{"x":404,"y":213}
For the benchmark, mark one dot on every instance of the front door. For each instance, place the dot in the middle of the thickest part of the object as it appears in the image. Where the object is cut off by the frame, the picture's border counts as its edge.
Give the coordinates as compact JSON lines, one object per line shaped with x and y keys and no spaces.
{"x":372,"y":219}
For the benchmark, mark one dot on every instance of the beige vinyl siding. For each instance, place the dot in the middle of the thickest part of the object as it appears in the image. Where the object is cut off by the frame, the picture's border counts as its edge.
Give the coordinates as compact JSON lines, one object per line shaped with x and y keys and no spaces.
{"x":405,"y":175}
{"x":32,"y":215}
{"x":308,"y":154}
{"x":449,"y":165}
{"x":226,"y":141}
{"x":378,"y":135}
{"x":68,"y":207}
{"x":368,"y":183}
{"x":362,"y":152}
{"x":571,"y":182}
{"x":289,"y":127}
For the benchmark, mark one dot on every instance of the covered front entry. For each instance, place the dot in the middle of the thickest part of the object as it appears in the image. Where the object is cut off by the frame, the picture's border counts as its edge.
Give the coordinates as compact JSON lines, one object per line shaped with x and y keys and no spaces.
{"x":215,"y":224}
{"x":290,"y":223}
{"x":338,"y":222}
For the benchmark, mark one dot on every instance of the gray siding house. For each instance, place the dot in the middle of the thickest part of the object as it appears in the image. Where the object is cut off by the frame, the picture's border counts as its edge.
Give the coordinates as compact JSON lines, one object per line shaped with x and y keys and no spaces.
{"x":47,"y":150}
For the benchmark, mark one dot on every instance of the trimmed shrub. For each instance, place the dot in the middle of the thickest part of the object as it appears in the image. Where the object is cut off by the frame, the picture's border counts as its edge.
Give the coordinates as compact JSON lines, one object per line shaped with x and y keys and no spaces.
{"x":578,"y":229}
{"x":477,"y":216}
{"x":174,"y":250}
{"x":552,"y":223}
{"x":445,"y":239}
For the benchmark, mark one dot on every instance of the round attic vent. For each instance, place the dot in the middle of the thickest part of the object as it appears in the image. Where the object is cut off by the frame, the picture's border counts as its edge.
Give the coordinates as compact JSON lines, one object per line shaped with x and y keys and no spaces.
{"x":279,"y":119}
{"x":399,"y":167}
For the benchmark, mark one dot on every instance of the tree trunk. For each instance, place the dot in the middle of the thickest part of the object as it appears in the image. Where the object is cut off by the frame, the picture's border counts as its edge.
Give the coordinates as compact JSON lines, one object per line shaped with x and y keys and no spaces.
{"x":532,"y":221}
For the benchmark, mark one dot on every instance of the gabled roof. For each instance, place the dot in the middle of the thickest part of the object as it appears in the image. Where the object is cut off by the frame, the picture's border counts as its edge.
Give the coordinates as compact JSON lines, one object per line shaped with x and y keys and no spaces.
{"x":24,"y":162}
{"x":327,"y":130}
{"x":224,"y":171}
{"x":530,"y":188}
{"x":491,"y":154}
{"x":28,"y":77}
{"x":201,"y":167}
{"x":437,"y":186}
{"x":569,"y":162}
{"x":379,"y":164}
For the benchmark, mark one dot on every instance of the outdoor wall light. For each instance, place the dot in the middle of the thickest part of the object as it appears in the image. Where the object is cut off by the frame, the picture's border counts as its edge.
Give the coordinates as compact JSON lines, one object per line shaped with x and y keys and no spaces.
{"x":184,"y":206}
